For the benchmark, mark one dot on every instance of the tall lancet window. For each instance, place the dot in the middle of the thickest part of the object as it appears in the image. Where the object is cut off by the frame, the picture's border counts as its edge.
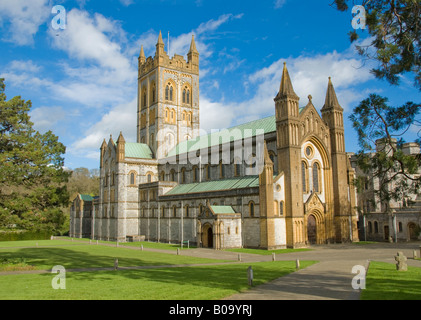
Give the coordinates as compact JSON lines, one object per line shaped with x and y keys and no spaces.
{"x":304,"y":176}
{"x":316,"y":176}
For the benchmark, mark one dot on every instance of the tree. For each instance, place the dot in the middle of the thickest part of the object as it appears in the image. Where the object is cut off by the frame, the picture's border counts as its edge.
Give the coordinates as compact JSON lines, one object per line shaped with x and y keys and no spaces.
{"x":83,"y":181}
{"x":395,"y":28}
{"x":380,"y":128}
{"x":32,"y":178}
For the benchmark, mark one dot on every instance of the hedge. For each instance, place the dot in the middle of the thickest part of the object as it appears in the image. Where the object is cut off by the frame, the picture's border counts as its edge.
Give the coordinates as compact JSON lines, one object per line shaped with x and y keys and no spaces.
{"x":24,"y":235}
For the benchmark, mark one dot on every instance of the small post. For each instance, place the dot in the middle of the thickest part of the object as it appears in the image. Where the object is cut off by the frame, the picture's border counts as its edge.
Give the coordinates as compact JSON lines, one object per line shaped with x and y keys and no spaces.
{"x":115,"y":264}
{"x":273,"y":256}
{"x":239,"y":257}
{"x":415,"y":254}
{"x":37,"y":244}
{"x":97,"y":242}
{"x":116,"y":243}
{"x":420,"y":251}
{"x":401,"y":262}
{"x":250,"y":276}
{"x":90,"y":241}
{"x":297,"y":264}
{"x":141,"y":247}
{"x":178,"y":251}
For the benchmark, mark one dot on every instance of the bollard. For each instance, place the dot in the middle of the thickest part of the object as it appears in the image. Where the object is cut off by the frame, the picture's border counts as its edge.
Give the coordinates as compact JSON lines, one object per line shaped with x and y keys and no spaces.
{"x":178,"y":251}
{"x":297,"y":264}
{"x":141,"y":247}
{"x":250,"y":276}
{"x":273,"y":256}
{"x":115,"y":264}
{"x":239,"y":257}
{"x":415,"y":254}
{"x":97,"y":242}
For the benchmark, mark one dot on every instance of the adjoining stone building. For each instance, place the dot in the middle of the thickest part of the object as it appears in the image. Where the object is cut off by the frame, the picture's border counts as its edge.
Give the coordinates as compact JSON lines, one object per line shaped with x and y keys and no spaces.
{"x":281,"y":181}
{"x":392,"y":221}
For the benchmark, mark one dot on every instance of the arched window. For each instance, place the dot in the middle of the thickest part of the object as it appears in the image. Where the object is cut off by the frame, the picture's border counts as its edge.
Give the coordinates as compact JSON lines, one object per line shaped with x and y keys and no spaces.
{"x":281,"y":208}
{"x":316,"y":175}
{"x":275,"y":207}
{"x":162,"y":176}
{"x":174,"y":211}
{"x":251,"y":208}
{"x":208,"y":172}
{"x":144,"y":99}
{"x":221,"y":170}
{"x":172,"y":175}
{"x":184,"y":96}
{"x":132,"y":178}
{"x":195,"y":174}
{"x":186,"y":211}
{"x":167,"y":92}
{"x":153,"y":92}
{"x":188,"y":96}
{"x":376,"y":227}
{"x":183,"y":175}
{"x":304,"y":176}
{"x":149,"y":177}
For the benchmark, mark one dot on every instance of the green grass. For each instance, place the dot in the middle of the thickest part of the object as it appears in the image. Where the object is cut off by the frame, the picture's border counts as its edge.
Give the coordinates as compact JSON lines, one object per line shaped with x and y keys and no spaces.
{"x":74,"y":255}
{"x":266,"y":252}
{"x":384,"y":282}
{"x":180,"y":283}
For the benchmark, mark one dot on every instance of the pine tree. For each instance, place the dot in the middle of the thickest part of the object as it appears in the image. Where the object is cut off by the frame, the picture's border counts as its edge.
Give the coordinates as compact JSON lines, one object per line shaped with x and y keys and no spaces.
{"x":32,"y":178}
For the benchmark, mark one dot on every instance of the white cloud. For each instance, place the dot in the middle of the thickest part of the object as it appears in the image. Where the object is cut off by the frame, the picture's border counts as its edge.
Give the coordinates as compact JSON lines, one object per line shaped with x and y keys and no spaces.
{"x":23,"y":18}
{"x":46,"y":118}
{"x":121,"y":118}
{"x":309,"y":76}
{"x":279,"y":3}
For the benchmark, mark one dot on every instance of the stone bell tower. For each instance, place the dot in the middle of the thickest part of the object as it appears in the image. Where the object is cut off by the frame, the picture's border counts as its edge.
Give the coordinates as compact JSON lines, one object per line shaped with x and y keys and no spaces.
{"x":332,"y":114}
{"x":168,"y":98}
{"x":289,"y":158}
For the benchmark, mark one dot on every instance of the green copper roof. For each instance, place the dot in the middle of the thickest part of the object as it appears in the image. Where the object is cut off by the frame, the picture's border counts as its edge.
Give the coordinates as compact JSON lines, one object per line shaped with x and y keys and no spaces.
{"x":217,"y":185}
{"x":242,"y":131}
{"x":86,"y":197}
{"x":137,"y":150}
{"x":222,"y":209}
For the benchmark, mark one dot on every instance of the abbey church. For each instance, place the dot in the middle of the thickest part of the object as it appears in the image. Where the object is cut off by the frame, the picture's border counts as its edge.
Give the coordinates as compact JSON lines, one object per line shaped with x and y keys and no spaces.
{"x":277,"y":182}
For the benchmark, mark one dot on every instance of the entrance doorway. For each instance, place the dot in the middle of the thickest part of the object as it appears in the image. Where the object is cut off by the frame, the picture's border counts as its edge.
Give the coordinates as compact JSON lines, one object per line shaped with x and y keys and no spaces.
{"x":386,"y":232}
{"x":207,"y":236}
{"x":412,"y":231}
{"x":311,"y":229}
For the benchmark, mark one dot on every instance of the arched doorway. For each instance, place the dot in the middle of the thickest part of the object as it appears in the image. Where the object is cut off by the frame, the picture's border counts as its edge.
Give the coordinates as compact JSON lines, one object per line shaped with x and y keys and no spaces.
{"x":207,"y":236}
{"x":311,"y":229}
{"x":412,"y":231}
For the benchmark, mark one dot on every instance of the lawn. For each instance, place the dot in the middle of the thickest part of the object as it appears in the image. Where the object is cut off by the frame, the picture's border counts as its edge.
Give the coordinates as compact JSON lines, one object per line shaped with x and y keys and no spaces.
{"x":73,"y":255}
{"x":384,"y":282}
{"x":178,"y":283}
{"x":203,"y":282}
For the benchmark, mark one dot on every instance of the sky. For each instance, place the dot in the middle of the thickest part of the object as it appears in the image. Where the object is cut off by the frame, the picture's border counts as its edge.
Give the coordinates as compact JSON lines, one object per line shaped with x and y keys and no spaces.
{"x":82,"y":79}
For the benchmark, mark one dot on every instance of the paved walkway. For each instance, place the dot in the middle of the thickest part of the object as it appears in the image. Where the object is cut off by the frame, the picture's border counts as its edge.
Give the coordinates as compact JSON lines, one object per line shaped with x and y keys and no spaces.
{"x":330,"y":279}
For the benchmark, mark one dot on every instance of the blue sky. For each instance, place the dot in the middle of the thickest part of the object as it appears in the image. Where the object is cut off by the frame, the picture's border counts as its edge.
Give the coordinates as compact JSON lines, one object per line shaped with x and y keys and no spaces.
{"x":82,"y":80}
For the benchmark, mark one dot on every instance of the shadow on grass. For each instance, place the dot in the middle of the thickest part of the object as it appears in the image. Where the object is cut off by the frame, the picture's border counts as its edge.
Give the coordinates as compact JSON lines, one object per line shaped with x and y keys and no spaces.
{"x":95,"y":257}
